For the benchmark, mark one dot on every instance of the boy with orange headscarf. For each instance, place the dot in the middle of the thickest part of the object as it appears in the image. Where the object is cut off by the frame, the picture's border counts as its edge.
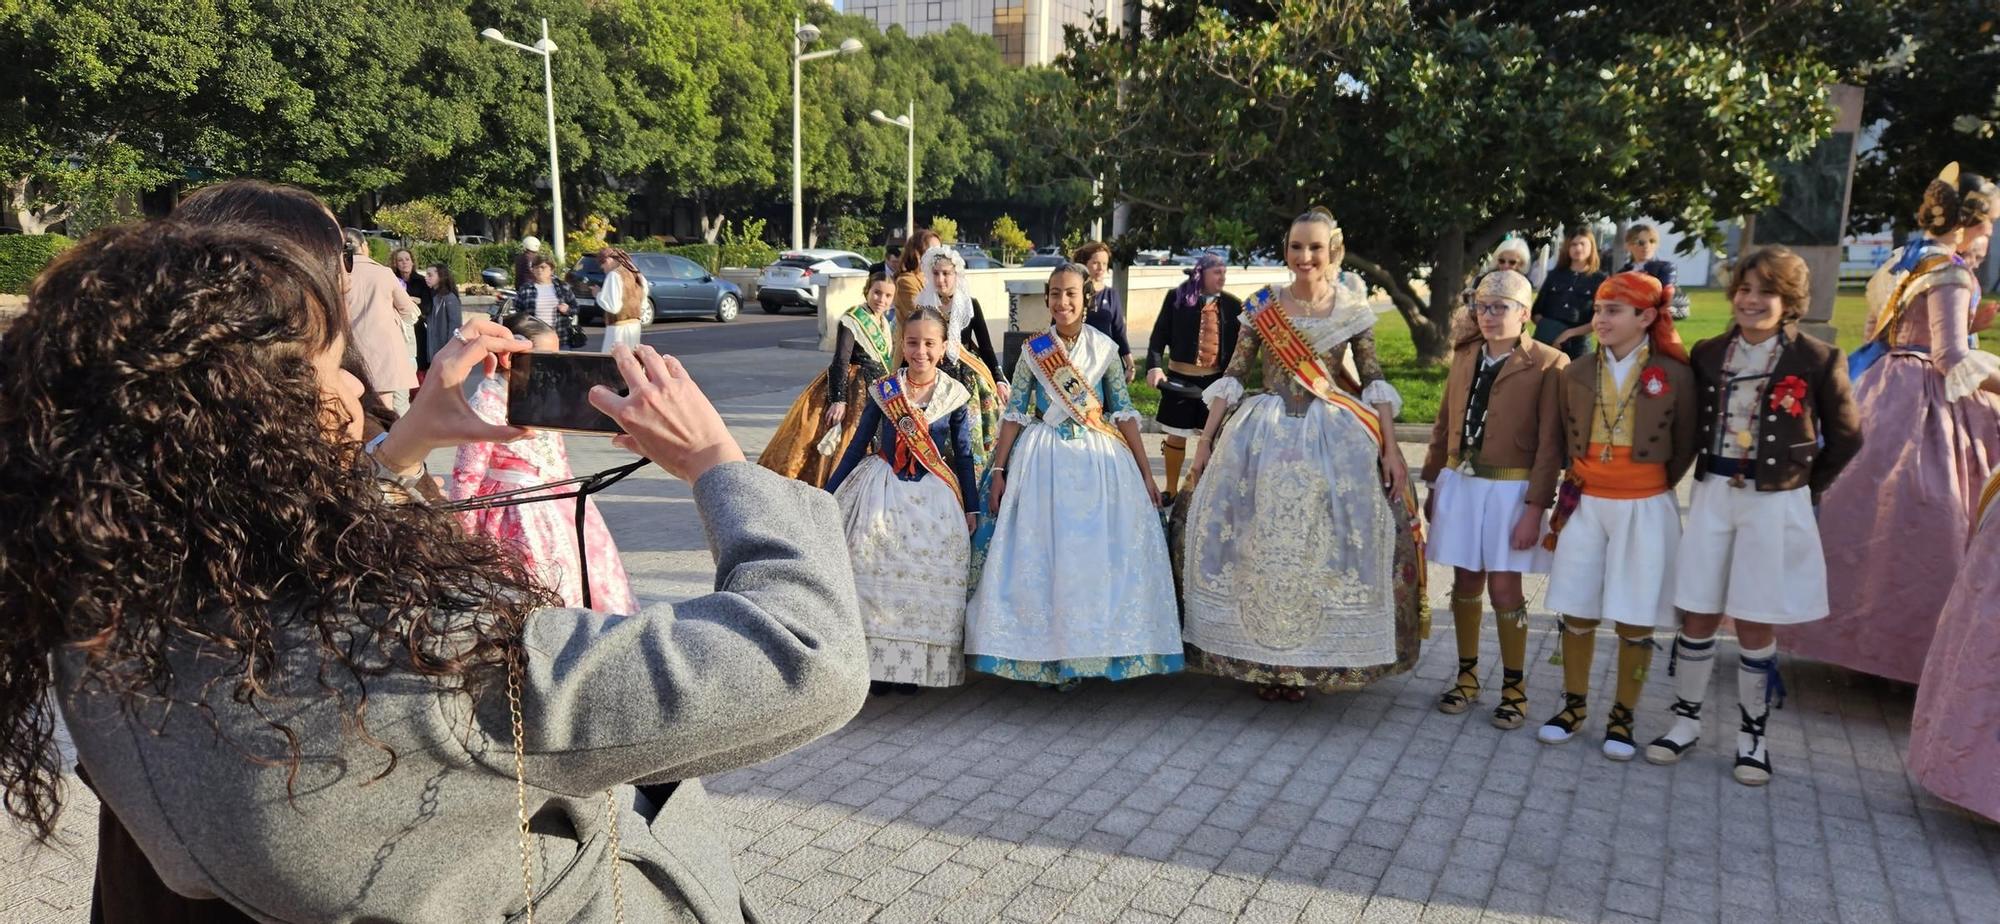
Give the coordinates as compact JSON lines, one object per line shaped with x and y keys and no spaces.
{"x":1629,"y":413}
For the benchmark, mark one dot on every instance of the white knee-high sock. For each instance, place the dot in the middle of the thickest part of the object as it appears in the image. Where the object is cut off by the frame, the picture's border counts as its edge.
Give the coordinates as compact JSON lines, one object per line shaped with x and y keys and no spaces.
{"x":1755,"y":676}
{"x":1692,"y":665}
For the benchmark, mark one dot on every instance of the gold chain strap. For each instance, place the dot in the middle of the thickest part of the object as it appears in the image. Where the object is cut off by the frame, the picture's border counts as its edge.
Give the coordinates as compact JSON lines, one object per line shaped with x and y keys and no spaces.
{"x":521,"y":807}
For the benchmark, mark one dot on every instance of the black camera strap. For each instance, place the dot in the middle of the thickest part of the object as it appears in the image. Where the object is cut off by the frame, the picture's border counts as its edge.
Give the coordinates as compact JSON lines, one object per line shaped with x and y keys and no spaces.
{"x":583,"y":488}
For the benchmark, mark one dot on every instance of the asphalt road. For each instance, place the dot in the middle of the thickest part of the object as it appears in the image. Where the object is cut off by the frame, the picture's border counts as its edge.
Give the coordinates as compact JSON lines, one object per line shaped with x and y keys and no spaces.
{"x":692,"y":336}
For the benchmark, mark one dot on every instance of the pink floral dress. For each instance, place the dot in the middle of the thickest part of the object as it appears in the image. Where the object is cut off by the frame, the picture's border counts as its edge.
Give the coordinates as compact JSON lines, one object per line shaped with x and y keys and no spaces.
{"x":542,"y":533}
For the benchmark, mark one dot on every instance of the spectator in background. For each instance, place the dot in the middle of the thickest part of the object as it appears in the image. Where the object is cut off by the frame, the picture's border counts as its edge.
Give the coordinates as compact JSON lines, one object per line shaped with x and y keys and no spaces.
{"x":622,"y":298}
{"x":1512,"y":254}
{"x":910,"y":278}
{"x":447,"y":312}
{"x":378,"y":309}
{"x":524,"y":261}
{"x":404,"y":264}
{"x":545,"y":296}
{"x":1568,"y":298}
{"x":1106,"y":310}
{"x":1643,"y":243}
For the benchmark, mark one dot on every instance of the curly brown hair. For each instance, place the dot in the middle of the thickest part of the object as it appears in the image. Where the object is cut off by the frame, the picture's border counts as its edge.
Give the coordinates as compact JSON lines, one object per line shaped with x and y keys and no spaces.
{"x":1784,"y":271}
{"x":171,"y":475}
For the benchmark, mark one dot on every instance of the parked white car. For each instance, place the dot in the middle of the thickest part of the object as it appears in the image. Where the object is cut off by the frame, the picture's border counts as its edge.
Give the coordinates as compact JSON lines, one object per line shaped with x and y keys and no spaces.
{"x":788,"y":282}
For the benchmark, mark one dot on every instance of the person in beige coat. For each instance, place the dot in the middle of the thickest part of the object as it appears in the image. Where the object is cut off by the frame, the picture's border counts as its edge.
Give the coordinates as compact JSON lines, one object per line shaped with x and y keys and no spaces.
{"x":377,"y":310}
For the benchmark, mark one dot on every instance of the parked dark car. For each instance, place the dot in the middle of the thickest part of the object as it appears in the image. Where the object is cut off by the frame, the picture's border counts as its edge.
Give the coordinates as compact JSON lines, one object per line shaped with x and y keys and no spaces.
{"x":678,"y":288}
{"x":1045,"y":260}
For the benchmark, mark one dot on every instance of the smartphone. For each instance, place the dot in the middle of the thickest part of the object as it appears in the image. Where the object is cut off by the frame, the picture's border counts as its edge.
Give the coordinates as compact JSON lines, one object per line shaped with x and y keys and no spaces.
{"x":551,"y":391}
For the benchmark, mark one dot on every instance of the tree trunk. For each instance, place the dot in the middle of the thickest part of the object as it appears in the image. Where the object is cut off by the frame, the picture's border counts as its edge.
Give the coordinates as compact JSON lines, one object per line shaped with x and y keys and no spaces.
{"x":21,"y":203}
{"x":1408,"y":303}
{"x":711,"y":228}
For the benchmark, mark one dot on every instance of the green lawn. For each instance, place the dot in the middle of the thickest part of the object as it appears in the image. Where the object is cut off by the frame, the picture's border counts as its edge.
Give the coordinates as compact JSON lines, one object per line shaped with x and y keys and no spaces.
{"x":1422,"y":386}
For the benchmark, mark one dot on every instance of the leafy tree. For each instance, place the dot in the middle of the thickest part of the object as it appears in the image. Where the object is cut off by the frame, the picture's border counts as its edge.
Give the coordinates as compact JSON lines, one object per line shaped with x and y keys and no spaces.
{"x":1432,"y":129}
{"x":1939,"y":97}
{"x":946,"y":228}
{"x":418,"y":220}
{"x":1009,"y":239}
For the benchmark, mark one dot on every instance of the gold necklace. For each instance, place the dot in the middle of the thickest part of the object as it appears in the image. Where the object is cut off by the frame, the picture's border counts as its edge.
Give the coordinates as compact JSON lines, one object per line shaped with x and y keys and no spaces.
{"x":1624,"y":404}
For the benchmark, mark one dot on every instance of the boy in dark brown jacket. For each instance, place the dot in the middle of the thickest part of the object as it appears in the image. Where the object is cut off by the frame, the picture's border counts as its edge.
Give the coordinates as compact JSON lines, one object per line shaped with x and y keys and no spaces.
{"x":1778,"y":422}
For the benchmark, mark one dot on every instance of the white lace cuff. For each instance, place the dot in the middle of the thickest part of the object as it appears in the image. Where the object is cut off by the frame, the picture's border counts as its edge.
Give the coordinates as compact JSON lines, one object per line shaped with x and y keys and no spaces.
{"x":1381,"y":392}
{"x":1016,"y":416}
{"x":1227,"y":388}
{"x":1124,"y":415}
{"x":1965,"y":378}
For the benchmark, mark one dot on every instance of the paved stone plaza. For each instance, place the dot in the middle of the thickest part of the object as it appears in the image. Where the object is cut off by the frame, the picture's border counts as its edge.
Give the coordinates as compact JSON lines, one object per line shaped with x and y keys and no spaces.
{"x":1186,"y":799}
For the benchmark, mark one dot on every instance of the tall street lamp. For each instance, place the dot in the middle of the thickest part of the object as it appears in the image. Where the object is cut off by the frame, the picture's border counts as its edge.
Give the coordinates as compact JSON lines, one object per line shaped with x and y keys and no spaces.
{"x":545,"y":48}
{"x":804,"y":34}
{"x":908,"y":122}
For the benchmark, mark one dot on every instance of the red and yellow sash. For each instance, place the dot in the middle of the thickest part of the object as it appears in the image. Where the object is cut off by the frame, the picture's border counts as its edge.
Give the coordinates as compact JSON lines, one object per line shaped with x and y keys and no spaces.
{"x":913,"y":432}
{"x":1060,"y":378}
{"x":1298,"y":357}
{"x":1290,"y":349}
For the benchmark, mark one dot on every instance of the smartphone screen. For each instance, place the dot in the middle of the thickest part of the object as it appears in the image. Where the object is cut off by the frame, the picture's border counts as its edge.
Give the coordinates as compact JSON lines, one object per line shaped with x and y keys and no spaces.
{"x":551,"y":391}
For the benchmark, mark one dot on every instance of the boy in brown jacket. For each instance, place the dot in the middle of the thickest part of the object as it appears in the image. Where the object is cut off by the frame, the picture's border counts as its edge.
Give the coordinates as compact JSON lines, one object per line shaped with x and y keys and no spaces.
{"x":1495,"y":455}
{"x":1629,"y":411}
{"x":1778,"y":422}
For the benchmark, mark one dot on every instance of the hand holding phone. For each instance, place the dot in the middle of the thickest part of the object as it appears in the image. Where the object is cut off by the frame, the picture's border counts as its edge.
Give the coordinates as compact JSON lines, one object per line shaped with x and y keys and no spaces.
{"x":665,"y":416}
{"x":551,"y":391}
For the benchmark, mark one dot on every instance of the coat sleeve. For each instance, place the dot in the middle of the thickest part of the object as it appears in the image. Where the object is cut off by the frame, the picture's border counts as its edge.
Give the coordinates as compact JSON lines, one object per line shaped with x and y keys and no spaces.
{"x":1839,"y":422}
{"x":961,"y":459}
{"x":1434,"y":455}
{"x":1114,"y":303}
{"x":770,"y":660}
{"x":1551,"y":437}
{"x":864,"y":436}
{"x":1687,"y":423}
{"x":982,"y":340}
{"x":836,"y":371}
{"x":1163,"y":328}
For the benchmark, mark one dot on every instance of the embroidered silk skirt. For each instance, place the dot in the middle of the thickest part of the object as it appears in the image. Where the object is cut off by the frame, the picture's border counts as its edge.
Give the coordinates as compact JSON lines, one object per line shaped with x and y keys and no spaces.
{"x":1076,"y":581}
{"x":1895,"y":522}
{"x":1474,"y":525}
{"x":1296,"y":569}
{"x":909,"y":546}
{"x":1752,"y":554}
{"x":1954,"y":745}
{"x":1615,"y":560}
{"x":794,"y":449}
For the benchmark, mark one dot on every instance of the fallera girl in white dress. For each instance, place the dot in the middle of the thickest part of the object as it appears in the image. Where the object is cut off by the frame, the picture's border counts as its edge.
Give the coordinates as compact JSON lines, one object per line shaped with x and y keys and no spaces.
{"x":1076,"y":581}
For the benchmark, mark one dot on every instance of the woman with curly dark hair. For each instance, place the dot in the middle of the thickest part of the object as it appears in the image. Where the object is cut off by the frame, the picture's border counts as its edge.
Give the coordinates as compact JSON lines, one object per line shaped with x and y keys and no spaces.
{"x":318,"y":704}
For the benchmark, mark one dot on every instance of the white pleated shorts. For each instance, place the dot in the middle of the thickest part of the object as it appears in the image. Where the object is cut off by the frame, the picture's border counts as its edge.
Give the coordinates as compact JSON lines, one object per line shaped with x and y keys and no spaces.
{"x":1474,"y":527}
{"x":1752,"y":554}
{"x":1615,"y":560}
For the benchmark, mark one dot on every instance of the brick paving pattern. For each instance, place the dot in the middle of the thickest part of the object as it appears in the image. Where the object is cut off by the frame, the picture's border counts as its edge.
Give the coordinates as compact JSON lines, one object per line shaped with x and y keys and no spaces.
{"x":1185,"y":799}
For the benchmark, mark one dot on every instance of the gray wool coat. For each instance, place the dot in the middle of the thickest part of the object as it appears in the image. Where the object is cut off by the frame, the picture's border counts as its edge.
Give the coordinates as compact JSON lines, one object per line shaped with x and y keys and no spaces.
{"x":771,"y":660}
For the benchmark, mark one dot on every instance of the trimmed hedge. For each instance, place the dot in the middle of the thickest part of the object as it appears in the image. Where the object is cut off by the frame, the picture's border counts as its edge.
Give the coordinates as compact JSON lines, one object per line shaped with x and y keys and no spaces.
{"x":23,"y":257}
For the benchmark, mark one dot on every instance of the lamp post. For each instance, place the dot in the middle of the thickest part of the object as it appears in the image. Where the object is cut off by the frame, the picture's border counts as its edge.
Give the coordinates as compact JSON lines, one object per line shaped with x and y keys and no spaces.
{"x":546,"y":49}
{"x":908,"y":122}
{"x":803,"y":34}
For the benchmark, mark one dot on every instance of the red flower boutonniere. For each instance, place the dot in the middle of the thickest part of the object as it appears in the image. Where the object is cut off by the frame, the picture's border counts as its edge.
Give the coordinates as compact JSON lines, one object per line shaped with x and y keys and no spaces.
{"x":1653,"y":382}
{"x":1789,"y":395}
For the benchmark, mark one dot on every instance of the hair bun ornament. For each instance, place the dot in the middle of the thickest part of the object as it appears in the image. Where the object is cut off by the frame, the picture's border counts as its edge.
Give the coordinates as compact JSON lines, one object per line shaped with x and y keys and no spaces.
{"x":1949,"y":175}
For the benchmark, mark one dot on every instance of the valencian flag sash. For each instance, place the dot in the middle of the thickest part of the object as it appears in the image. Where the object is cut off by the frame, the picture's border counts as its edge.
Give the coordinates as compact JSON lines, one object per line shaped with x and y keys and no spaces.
{"x":1061,"y":379}
{"x":869,"y":331}
{"x":913,"y":432}
{"x":1292,"y":351}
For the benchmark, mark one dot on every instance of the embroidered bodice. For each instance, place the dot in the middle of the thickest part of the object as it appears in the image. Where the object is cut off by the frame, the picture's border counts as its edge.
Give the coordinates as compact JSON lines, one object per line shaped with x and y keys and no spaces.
{"x":1349,"y":331}
{"x":1095,"y":357}
{"x":949,"y":429}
